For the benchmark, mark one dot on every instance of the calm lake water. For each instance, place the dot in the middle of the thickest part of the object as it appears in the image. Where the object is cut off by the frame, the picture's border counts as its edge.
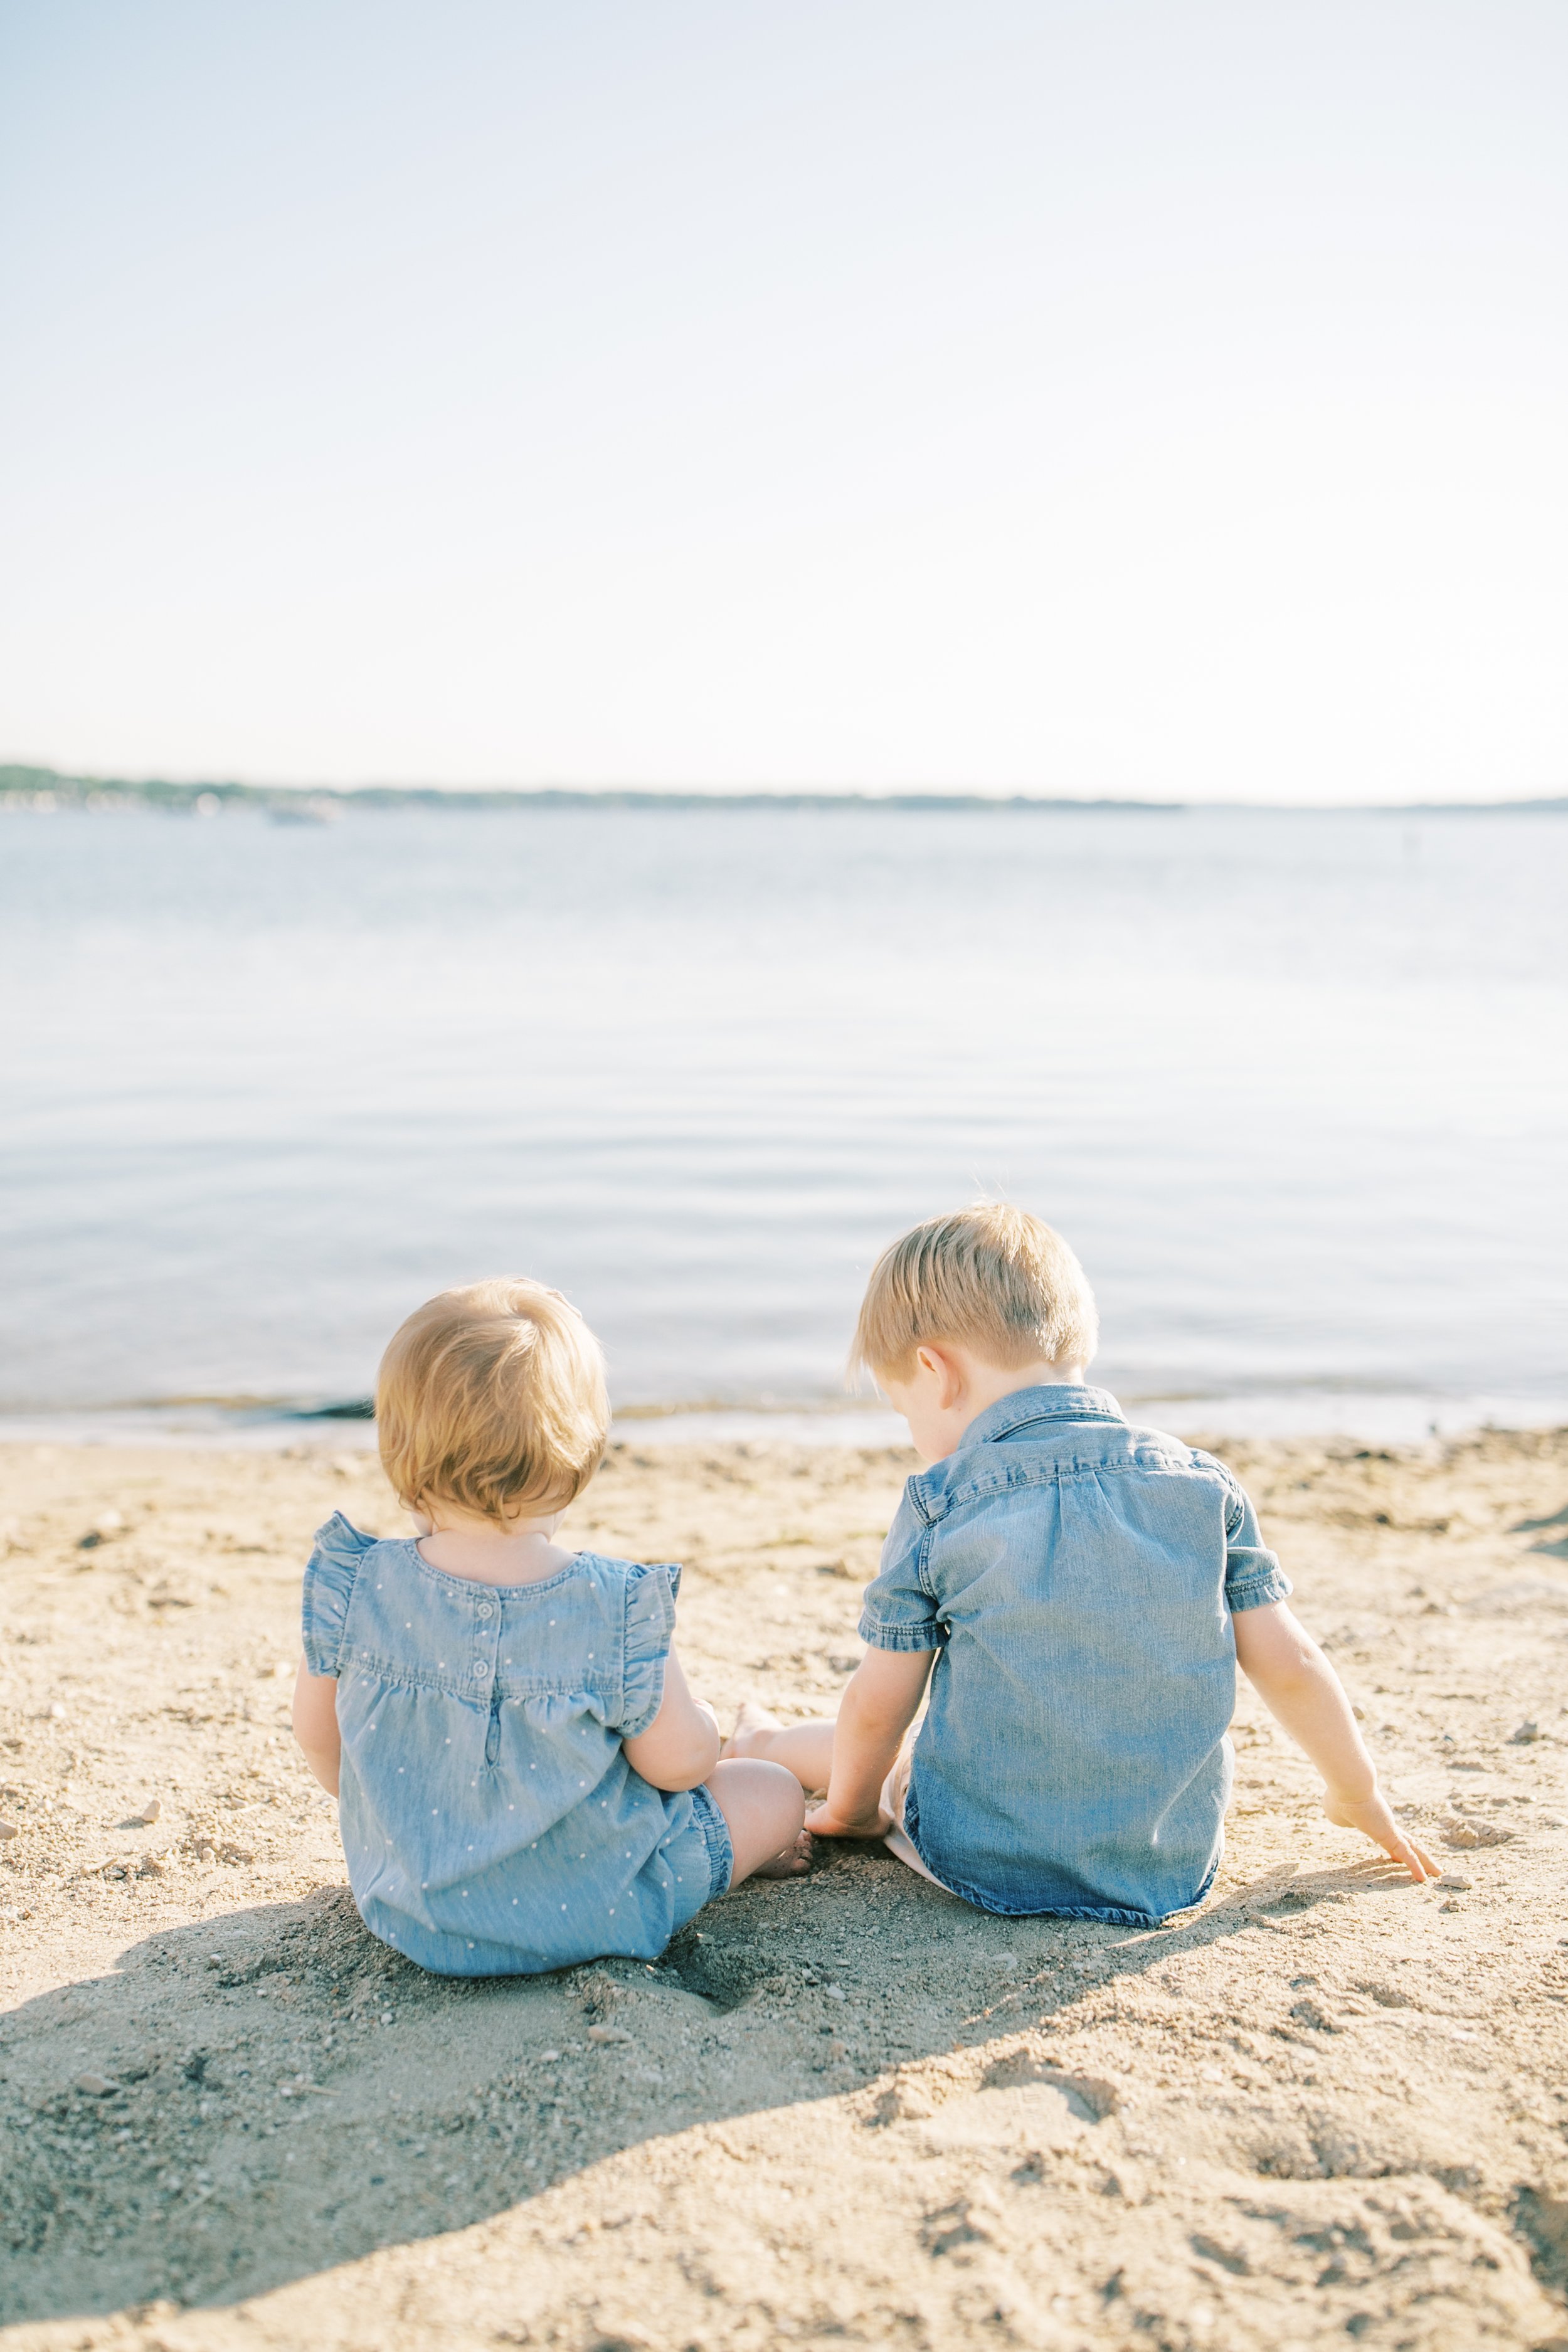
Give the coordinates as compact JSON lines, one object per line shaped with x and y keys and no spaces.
{"x":1292,"y":1085}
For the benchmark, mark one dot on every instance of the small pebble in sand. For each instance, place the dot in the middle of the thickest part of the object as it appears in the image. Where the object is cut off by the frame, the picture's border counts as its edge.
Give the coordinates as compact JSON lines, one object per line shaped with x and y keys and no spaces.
{"x":9,"y":1830}
{"x":149,"y":1812}
{"x":206,"y":1854}
{"x":608,"y":2033}
{"x":156,"y":1865}
{"x":833,"y":1992}
{"x":1452,"y":1880}
{"x":549,"y":2057}
{"x":56,"y":1712}
{"x":97,"y":2086}
{"x":1527,"y":1732}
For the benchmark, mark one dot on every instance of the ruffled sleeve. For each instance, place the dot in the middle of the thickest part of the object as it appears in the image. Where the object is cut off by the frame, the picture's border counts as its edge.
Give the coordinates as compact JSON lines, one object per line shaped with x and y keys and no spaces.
{"x":650,"y":1626}
{"x":329,"y":1587}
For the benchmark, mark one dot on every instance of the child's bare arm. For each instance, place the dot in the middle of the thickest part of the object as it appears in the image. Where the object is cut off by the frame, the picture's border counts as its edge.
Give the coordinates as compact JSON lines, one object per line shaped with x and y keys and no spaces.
{"x":1300,"y":1688}
{"x":681,"y":1746}
{"x":316,"y":1725}
{"x":880,"y":1702}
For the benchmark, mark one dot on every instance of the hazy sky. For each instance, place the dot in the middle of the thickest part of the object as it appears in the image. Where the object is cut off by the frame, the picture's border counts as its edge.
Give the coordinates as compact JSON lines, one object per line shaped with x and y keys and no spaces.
{"x":1151,"y":397}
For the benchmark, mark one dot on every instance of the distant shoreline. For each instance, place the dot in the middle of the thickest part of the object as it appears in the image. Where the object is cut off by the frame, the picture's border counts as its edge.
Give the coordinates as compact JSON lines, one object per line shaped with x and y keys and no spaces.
{"x":44,"y":789}
{"x":1356,"y":1419}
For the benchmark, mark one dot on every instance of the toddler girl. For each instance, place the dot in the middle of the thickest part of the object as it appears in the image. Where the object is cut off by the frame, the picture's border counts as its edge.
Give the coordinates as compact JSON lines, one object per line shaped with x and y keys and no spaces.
{"x":524,"y":1779}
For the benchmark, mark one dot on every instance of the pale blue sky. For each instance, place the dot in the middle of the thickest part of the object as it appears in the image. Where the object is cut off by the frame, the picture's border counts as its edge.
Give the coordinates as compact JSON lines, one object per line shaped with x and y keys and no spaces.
{"x":1134,"y":398}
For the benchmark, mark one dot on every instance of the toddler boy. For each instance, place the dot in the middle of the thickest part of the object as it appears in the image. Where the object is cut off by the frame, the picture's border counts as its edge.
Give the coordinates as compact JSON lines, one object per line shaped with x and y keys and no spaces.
{"x":1070,"y":1595}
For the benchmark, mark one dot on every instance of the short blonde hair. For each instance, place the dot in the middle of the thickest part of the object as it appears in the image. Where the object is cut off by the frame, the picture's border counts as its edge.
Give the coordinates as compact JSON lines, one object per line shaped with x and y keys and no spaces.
{"x":492,"y":1398}
{"x":991,"y":1277}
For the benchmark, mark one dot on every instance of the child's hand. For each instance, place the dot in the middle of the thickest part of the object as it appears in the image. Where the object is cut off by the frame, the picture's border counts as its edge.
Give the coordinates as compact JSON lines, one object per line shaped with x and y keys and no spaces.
{"x":1371,"y":1816}
{"x":1302,"y":1689}
{"x":823,"y":1821}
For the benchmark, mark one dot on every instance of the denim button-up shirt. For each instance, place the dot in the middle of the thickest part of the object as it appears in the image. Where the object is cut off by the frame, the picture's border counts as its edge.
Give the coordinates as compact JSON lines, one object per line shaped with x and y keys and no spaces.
{"x":1077,"y":1578}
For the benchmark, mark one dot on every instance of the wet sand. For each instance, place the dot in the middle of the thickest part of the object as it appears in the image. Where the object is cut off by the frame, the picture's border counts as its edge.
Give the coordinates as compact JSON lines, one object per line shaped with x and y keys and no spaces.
{"x":1328,"y":2108}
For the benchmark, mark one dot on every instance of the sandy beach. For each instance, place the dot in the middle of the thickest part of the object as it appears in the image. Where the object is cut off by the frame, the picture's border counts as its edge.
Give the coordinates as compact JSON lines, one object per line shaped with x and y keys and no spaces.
{"x":1328,"y":2106}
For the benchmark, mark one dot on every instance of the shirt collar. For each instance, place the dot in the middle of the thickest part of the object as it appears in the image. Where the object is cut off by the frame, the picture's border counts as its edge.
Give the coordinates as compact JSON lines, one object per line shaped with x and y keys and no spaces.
{"x":1052,"y":1401}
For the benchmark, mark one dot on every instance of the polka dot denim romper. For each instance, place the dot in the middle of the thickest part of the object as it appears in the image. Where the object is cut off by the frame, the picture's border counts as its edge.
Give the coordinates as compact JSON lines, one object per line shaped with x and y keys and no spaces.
{"x":491,"y":1821}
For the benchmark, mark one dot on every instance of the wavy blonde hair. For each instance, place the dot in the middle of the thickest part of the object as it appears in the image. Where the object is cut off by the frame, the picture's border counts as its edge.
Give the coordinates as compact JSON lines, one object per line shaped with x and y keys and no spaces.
{"x":991,"y":1277}
{"x":492,"y":1398}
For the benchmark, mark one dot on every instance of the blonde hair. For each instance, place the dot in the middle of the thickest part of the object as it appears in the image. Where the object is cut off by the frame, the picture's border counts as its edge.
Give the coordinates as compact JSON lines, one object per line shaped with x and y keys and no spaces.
{"x":492,"y":1398}
{"x":989,"y":1277}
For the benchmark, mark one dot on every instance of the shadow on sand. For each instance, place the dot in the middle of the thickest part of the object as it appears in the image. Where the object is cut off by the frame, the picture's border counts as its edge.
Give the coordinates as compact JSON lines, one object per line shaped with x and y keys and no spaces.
{"x":271,"y":2093}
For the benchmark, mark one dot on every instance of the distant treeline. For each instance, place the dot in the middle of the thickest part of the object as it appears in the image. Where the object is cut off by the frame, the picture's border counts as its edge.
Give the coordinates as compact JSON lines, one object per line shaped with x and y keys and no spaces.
{"x":47,"y":787}
{"x":50,"y":787}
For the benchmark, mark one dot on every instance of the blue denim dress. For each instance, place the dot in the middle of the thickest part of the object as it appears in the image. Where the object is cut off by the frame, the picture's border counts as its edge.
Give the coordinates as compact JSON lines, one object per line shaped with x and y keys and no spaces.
{"x":490,"y":1820}
{"x":1077,"y":1578}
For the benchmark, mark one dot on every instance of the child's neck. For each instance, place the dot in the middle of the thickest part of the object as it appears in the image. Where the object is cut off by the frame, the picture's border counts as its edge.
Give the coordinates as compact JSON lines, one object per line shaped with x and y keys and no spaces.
{"x":987,"y":1384}
{"x":948,"y":1386}
{"x":461,"y":1543}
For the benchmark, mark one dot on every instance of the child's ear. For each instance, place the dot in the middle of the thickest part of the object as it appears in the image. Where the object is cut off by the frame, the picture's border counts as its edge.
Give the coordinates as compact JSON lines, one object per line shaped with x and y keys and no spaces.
{"x":948,"y":1370}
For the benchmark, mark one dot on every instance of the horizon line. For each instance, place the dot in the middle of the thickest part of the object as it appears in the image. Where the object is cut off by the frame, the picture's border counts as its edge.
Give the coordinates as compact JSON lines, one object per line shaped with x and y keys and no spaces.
{"x":35,"y":782}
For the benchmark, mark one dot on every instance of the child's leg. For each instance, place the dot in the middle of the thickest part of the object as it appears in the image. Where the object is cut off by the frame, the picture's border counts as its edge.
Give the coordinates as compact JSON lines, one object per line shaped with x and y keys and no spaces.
{"x":803,"y":1748}
{"x":895,"y":1794}
{"x":806,"y":1750}
{"x":764,"y":1807}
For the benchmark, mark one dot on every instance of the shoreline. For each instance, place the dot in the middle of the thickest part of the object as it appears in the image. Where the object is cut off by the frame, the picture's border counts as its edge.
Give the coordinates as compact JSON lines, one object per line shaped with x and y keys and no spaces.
{"x":842,"y":2108}
{"x":1269,"y":1412}
{"x":26,"y":788}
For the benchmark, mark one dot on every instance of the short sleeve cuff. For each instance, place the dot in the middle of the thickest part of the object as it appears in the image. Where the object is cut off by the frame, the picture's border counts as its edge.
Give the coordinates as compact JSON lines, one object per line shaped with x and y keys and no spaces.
{"x":1258,"y":1589}
{"x":928,"y":1635}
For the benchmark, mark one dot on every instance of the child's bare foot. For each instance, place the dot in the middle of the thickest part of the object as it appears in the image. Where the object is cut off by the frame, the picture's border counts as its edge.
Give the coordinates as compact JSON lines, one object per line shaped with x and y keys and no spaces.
{"x":753,"y":1720}
{"x":790,"y":1862}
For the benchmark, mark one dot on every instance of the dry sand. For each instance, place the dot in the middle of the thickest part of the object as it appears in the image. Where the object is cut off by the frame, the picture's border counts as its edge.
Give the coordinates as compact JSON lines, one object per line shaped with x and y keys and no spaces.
{"x":846,"y":2110}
